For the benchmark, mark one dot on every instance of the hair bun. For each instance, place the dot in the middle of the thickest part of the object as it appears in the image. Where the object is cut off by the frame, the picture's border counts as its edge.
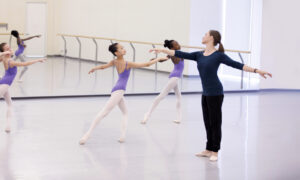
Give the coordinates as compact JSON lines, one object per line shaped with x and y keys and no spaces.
{"x":15,"y":33}
{"x":113,"y":48}
{"x":167,"y":43}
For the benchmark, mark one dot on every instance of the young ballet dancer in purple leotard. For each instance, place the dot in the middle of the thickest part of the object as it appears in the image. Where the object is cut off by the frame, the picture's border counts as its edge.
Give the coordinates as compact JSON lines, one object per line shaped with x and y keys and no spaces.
{"x":174,"y":77}
{"x":117,"y":94}
{"x":10,"y":73}
{"x":19,"y":52}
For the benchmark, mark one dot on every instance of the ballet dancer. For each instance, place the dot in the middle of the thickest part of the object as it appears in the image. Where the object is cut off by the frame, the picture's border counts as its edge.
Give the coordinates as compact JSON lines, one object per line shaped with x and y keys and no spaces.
{"x":117,"y":94}
{"x":174,"y":77}
{"x":208,"y":62}
{"x":19,"y":52}
{"x":10,"y":72}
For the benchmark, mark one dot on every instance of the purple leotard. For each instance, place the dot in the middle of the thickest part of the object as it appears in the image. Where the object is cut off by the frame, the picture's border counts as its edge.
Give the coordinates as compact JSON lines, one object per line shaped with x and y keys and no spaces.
{"x":178,"y":69}
{"x":20,"y":49}
{"x":9,"y":76}
{"x":122,"y":81}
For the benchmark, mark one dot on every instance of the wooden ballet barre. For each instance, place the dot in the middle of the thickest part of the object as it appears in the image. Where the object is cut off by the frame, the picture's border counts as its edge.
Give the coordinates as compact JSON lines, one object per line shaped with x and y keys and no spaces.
{"x":8,"y":34}
{"x":148,"y":43}
{"x":87,"y":37}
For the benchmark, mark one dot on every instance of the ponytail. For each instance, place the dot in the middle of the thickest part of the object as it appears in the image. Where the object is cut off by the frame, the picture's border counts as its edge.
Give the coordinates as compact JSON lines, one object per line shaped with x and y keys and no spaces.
{"x":217,"y":39}
{"x":221,"y":47}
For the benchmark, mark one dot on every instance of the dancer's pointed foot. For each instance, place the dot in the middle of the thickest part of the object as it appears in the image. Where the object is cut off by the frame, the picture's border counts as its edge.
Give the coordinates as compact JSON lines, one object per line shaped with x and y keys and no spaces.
{"x":146,"y":117}
{"x":83,"y":140}
{"x":121,"y":140}
{"x":177,"y":121}
{"x":7,"y":129}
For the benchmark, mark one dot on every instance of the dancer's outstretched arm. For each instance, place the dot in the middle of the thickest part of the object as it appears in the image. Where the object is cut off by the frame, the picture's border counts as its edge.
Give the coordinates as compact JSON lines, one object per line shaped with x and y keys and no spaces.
{"x":179,"y":54}
{"x":31,"y":37}
{"x":185,"y":55}
{"x":27,"y":63}
{"x":230,"y":62}
{"x":170,"y":57}
{"x":146,"y":64}
{"x":260,"y":72}
{"x":109,"y":64}
{"x":165,"y":51}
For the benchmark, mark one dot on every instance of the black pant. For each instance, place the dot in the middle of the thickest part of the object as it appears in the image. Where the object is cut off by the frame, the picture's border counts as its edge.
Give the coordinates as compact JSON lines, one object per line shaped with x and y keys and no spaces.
{"x":212,"y":115}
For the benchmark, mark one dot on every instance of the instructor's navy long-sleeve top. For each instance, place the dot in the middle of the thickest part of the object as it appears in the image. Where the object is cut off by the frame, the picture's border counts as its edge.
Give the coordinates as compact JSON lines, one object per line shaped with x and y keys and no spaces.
{"x":208,"y":67}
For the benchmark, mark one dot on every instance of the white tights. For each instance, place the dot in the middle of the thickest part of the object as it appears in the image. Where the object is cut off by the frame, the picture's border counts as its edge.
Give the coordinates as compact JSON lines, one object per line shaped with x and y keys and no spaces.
{"x":5,"y":94}
{"x":116,"y":98}
{"x":172,"y":84}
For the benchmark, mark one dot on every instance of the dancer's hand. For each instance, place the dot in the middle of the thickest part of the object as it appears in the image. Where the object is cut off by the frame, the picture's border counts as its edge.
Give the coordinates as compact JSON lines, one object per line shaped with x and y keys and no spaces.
{"x":164,"y":58}
{"x":155,"y":50}
{"x":91,"y":71}
{"x":38,"y":36}
{"x":263,"y":74}
{"x":42,"y":60}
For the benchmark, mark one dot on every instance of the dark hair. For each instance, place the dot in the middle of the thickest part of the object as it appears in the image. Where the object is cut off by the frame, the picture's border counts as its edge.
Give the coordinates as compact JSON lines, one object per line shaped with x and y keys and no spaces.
{"x":2,"y":47}
{"x":113,"y":48}
{"x":15,"y":33}
{"x":217,"y":39}
{"x":168,"y":44}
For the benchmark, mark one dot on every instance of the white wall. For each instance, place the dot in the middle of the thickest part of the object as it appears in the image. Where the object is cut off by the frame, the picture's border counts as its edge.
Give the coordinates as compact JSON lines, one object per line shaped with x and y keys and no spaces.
{"x":255,"y":38}
{"x":280,"y":43}
{"x":204,"y":15}
{"x":236,"y":31}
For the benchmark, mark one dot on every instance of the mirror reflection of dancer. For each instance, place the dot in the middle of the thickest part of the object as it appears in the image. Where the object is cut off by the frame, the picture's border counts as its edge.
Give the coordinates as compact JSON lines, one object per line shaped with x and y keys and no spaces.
{"x":174,"y":77}
{"x":117,"y":94}
{"x":19,"y":52}
{"x":10,"y":67}
{"x":208,"y":62}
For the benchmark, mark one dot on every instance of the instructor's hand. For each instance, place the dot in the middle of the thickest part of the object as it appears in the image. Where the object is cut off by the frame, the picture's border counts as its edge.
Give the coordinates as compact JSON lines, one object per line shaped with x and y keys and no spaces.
{"x":264,"y":74}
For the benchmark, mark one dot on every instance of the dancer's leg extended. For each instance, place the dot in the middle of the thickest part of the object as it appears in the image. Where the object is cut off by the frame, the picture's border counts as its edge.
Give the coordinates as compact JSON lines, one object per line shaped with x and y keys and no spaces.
{"x":124,"y":110}
{"x":8,"y":111}
{"x":25,"y":68}
{"x":170,"y":85}
{"x":178,"y":104}
{"x":114,"y":100}
{"x":5,"y":94}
